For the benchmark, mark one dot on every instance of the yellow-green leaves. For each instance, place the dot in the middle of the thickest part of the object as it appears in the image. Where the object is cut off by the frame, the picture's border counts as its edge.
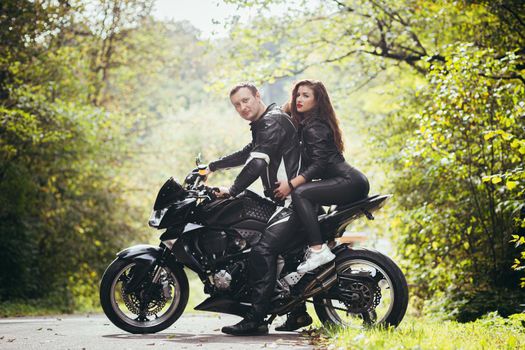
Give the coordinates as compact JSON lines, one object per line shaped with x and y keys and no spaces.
{"x":496,"y":179}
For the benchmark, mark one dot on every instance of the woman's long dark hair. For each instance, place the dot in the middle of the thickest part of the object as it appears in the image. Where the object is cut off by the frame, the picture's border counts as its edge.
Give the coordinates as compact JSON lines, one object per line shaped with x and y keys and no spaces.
{"x":323,"y":107}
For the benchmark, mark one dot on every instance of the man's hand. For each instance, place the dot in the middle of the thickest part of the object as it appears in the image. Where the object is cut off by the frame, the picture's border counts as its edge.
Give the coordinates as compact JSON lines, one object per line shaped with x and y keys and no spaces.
{"x":223,"y":192}
{"x":282,"y":190}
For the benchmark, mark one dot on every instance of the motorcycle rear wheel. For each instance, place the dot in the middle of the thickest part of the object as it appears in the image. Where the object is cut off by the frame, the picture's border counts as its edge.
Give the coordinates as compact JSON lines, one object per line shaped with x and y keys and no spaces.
{"x":389,"y":300}
{"x":121,"y":307}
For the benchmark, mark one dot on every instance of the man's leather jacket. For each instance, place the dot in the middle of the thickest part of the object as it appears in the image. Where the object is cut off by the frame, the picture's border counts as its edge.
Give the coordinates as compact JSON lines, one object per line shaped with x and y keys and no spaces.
{"x":273,"y":154}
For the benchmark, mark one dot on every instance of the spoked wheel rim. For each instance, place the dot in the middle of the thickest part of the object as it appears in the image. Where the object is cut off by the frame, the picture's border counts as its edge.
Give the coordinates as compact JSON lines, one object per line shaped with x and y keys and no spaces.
{"x":338,"y":312}
{"x":118,"y":299}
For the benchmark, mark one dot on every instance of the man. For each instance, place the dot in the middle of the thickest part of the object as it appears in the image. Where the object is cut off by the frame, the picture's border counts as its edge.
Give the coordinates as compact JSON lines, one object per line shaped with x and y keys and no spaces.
{"x":273,"y":155}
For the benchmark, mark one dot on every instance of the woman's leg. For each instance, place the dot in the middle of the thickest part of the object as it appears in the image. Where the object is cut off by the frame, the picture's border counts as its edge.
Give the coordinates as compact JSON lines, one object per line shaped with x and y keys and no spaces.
{"x":336,"y":190}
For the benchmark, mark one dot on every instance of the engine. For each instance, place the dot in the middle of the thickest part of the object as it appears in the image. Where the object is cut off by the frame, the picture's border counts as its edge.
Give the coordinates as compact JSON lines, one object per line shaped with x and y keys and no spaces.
{"x":222,"y":280}
{"x":220,"y":253}
{"x":226,"y":278}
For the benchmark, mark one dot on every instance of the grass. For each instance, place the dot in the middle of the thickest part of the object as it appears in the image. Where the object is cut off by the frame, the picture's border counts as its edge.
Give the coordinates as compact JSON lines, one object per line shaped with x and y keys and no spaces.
{"x":490,"y":332}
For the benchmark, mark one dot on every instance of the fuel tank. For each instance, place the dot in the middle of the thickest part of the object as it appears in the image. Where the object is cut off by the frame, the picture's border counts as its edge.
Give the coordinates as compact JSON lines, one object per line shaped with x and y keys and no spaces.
{"x":247,"y":211}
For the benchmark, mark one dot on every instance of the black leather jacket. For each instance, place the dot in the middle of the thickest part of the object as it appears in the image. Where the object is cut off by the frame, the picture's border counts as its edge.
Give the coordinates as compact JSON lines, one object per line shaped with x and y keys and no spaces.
{"x":273,"y":154}
{"x":321,"y":158}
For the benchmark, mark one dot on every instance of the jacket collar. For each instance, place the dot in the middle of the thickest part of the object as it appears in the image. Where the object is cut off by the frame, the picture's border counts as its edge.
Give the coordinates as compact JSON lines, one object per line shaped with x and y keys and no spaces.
{"x":309,"y":117}
{"x":270,"y":107}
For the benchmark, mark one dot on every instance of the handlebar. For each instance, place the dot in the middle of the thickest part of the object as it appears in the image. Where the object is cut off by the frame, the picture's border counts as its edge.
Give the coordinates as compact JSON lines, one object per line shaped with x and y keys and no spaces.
{"x":194,"y":184}
{"x":204,"y":192}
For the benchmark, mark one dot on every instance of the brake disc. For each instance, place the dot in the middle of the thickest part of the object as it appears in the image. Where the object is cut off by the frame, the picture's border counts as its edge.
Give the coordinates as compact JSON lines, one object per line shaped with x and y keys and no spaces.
{"x":158,"y":300}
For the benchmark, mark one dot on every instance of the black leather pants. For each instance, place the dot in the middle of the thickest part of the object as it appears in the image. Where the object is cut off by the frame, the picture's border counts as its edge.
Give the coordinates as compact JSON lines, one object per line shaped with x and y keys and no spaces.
{"x":279,"y":236}
{"x":351,"y":187}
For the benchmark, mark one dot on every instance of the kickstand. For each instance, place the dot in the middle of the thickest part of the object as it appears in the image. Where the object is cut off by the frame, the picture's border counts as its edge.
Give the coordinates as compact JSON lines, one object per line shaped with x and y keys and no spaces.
{"x":270,"y":320}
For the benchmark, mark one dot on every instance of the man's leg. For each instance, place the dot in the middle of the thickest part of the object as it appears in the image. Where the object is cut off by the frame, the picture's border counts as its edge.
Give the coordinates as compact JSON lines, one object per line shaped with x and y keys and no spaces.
{"x":263,"y":259}
{"x":278,"y":237}
{"x":263,"y":268}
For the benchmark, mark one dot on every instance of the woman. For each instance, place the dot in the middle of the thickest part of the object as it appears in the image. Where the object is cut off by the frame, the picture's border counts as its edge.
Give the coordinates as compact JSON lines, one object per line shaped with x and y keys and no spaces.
{"x":321,"y":147}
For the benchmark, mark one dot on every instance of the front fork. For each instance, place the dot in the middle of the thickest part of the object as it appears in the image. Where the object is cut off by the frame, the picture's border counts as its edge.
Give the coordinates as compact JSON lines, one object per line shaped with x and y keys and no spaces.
{"x":149,"y":289}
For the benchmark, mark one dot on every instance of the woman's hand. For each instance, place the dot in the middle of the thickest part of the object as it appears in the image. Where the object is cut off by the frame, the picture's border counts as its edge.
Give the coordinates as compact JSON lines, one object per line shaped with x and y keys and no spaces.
{"x":282,"y":190}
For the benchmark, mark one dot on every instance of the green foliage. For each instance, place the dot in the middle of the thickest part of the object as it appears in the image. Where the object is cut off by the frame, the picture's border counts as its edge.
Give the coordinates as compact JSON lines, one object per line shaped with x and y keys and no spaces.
{"x":490,"y":332}
{"x":466,"y":167}
{"x":82,"y":89}
{"x":467,"y":306}
{"x":58,"y":203}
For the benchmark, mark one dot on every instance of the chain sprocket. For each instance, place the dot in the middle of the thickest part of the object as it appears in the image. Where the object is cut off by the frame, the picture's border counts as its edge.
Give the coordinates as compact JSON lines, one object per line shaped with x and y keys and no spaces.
{"x":360,"y":295}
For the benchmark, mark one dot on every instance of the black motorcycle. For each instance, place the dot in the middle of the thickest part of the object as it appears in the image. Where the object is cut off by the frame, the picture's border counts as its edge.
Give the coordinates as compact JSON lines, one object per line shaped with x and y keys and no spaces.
{"x":145,"y":289}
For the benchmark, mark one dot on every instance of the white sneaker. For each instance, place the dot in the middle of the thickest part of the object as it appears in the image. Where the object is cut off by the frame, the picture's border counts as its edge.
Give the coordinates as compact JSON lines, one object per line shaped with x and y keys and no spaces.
{"x":315,"y":258}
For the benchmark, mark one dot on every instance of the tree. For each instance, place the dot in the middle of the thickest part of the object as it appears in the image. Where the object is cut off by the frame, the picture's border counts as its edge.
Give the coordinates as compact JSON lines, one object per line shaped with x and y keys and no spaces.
{"x":83,"y":83}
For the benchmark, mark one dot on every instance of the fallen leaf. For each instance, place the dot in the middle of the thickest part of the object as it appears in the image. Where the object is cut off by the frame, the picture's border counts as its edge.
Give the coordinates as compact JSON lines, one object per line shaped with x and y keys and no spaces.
{"x":151,"y":344}
{"x":11,"y":340}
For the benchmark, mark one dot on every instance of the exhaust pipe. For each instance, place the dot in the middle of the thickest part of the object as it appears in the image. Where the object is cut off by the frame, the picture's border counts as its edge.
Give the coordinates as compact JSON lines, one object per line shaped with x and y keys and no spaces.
{"x":322,"y":282}
{"x":311,"y":285}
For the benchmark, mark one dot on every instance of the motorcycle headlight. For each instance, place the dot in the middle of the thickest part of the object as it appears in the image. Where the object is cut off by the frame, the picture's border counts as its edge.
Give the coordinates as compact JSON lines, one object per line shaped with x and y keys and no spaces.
{"x":156,"y":217}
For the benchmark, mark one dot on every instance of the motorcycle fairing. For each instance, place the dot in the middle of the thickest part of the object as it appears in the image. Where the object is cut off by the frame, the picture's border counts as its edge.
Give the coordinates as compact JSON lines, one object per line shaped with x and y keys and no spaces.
{"x":182,"y":251}
{"x":177,"y":213}
{"x":224,"y":305}
{"x":169,"y":193}
{"x":175,"y":231}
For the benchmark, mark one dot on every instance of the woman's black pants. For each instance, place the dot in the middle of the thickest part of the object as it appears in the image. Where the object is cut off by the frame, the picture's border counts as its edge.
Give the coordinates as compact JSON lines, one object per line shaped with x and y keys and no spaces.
{"x":337,"y":190}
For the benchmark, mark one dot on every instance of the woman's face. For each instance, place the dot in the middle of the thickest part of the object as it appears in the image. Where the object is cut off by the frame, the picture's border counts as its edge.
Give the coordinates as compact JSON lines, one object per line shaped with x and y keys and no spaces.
{"x":305,"y":100}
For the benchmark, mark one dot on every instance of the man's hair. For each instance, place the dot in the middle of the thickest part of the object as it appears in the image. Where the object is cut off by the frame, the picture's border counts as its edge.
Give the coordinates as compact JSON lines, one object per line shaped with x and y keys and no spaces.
{"x":247,"y":85}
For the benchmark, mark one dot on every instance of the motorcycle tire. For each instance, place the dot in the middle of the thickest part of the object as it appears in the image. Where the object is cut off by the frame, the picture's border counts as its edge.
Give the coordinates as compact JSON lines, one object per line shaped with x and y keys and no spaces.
{"x":327,"y":312}
{"x":112,"y":310}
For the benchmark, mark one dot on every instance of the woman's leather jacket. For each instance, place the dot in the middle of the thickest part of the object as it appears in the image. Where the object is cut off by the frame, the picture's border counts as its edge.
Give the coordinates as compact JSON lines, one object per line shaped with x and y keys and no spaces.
{"x":321,"y":157}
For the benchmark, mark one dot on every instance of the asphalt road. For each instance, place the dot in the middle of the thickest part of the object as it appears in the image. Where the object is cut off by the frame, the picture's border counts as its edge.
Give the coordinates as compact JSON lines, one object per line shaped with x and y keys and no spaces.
{"x":191,"y":331}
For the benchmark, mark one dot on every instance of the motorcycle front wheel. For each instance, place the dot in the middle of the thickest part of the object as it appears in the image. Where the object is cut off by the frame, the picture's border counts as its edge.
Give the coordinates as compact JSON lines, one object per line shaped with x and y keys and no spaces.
{"x":371,"y":290}
{"x":152,"y":307}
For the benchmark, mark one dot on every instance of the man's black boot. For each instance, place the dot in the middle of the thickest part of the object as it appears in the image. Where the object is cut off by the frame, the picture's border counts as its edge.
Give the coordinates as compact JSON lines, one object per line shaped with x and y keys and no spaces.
{"x":248,"y":326}
{"x":295,"y":321}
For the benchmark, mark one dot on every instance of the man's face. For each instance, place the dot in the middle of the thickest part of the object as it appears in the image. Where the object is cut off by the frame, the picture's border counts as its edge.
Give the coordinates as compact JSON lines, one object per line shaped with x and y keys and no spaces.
{"x":246,"y":104}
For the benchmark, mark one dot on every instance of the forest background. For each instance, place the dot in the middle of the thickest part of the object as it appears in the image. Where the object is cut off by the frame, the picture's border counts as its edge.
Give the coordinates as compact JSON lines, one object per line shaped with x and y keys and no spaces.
{"x":100,"y":102}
